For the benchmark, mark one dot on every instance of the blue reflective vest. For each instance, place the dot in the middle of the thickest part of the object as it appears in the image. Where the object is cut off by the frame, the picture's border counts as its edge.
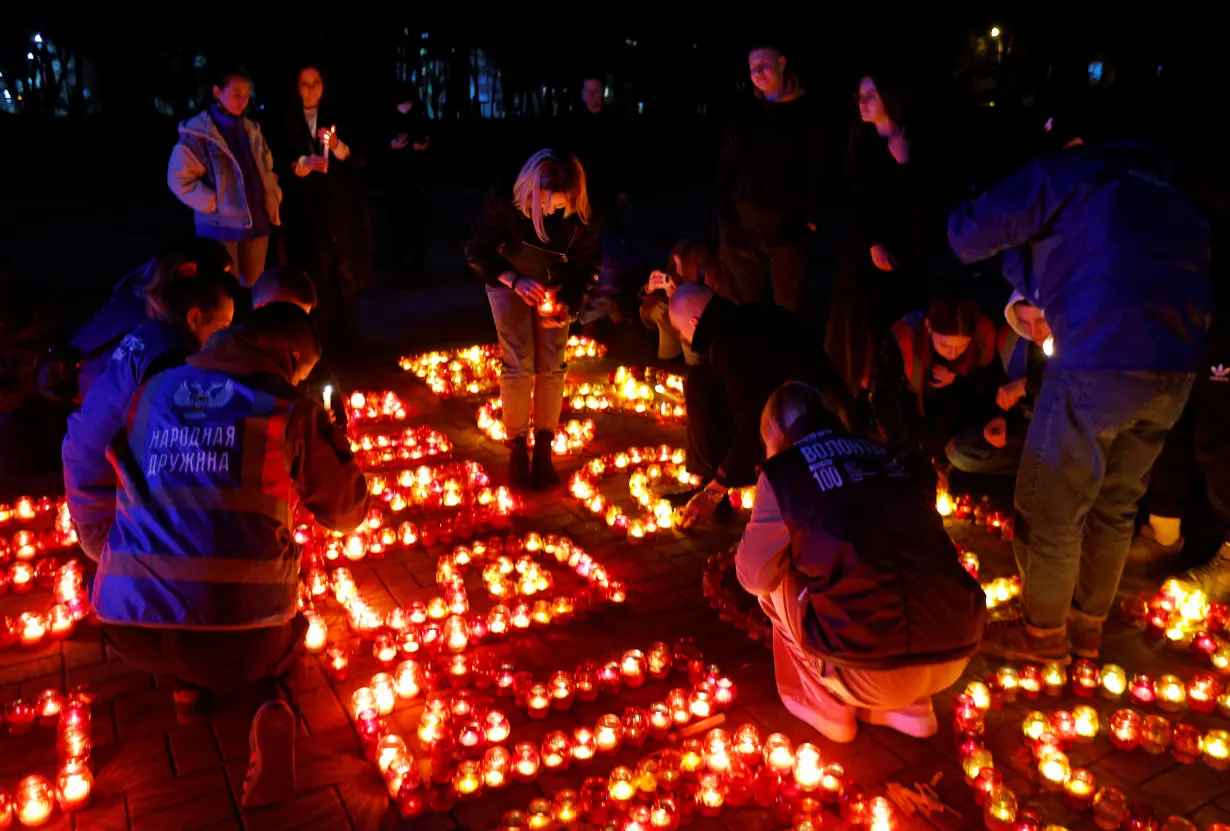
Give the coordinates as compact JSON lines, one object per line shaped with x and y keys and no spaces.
{"x":202,"y":534}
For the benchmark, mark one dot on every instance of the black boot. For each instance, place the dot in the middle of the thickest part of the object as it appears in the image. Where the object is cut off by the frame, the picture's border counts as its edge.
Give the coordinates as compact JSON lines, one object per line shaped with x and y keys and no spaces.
{"x":519,"y":465}
{"x":545,"y":476}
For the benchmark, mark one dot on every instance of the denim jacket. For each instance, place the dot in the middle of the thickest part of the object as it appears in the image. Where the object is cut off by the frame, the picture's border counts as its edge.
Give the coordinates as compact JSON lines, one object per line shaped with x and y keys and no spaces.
{"x":204,"y":175}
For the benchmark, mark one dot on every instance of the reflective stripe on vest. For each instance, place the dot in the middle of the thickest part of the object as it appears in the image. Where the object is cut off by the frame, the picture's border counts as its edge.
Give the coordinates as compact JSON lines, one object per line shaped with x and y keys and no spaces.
{"x":202,"y":531}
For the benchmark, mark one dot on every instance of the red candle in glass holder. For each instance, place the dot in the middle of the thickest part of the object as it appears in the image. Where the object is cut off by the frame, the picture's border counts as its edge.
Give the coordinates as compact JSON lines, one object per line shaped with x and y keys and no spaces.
{"x":660,"y":720}
{"x":32,"y":627}
{"x":556,"y":751}
{"x":723,"y":689}
{"x":593,"y":800}
{"x":1202,"y":692}
{"x":1185,"y":743}
{"x":525,"y":761}
{"x":632,"y":668}
{"x":60,"y":622}
{"x":1079,"y":790}
{"x":495,"y":767}
{"x":659,"y":660}
{"x":1155,"y":734}
{"x":987,"y":780}
{"x":49,"y":705}
{"x":700,"y":702}
{"x":385,"y":646}
{"x":73,"y":786}
{"x":35,"y":800}
{"x":560,"y":688}
{"x":585,"y":681}
{"x":1141,"y":690}
{"x":538,"y":701}
{"x":496,"y":727}
{"x":609,"y":677}
{"x":636,"y":726}
{"x":1063,"y":725}
{"x":967,"y":716}
{"x":19,"y":716}
{"x":584,"y":745}
{"x":1171,"y":694}
{"x":608,"y":733}
{"x":1086,"y":678}
{"x":471,"y":739}
{"x":1030,"y":681}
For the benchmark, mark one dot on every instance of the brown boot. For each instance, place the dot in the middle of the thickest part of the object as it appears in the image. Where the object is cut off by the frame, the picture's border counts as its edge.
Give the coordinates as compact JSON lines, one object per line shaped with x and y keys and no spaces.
{"x":1085,"y":633}
{"x":1016,"y":640}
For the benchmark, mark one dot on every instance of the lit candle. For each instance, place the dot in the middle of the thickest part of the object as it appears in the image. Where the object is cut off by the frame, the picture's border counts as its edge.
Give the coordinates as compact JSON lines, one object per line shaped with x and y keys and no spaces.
{"x":1030,"y":681}
{"x":560,"y":687}
{"x":1185,"y":743}
{"x":50,"y":704}
{"x":317,"y":633}
{"x":538,"y":701}
{"x":988,"y":779}
{"x":556,"y":750}
{"x":746,"y":745}
{"x":1110,"y":808}
{"x":979,"y":694}
{"x":388,"y":748}
{"x":1142,"y":690}
{"x":1054,"y":678}
{"x":60,"y":622}
{"x":808,"y":767}
{"x":659,"y":660}
{"x":660,"y":719}
{"x":832,"y":783}
{"x":1063,"y":725}
{"x":565,"y":808}
{"x":1085,"y":722}
{"x":1156,"y":734}
{"x":1114,"y":682}
{"x":632,"y":668}
{"x":1054,"y":770}
{"x":385,"y":692}
{"x":496,"y":727}
{"x":974,"y":763}
{"x":1034,"y":725}
{"x":19,"y":716}
{"x":32,"y":628}
{"x":584,"y":746}
{"x":1086,"y":677}
{"x":700,"y":702}
{"x":1215,"y":747}
{"x":1202,"y":692}
{"x":539,"y":817}
{"x":1125,"y":726}
{"x":338,"y":663}
{"x":495,"y":766}
{"x":710,"y":795}
{"x":1171,"y":695}
{"x":636,"y":726}
{"x":467,"y":780}
{"x":880,"y":815}
{"x":525,"y":761}
{"x":779,"y":754}
{"x":621,"y":784}
{"x":664,"y":814}
{"x":999,"y":809}
{"x":1006,"y":681}
{"x":35,"y":800}
{"x":717,"y":750}
{"x":1078,"y":792}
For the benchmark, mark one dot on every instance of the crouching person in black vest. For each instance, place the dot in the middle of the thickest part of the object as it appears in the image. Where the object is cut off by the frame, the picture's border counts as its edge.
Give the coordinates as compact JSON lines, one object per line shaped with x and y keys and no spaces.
{"x":198,"y":579}
{"x":870,"y":618}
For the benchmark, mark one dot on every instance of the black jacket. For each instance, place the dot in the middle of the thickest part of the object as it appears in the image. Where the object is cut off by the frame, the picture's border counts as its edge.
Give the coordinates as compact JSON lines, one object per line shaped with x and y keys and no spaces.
{"x":773,"y":173}
{"x":876,"y":594}
{"x":504,"y":239}
{"x":754,"y":349}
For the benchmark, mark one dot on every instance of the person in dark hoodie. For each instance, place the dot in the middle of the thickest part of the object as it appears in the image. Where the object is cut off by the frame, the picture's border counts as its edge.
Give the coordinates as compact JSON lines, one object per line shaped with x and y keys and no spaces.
{"x":870,"y":618}
{"x":1119,"y":264}
{"x":534,"y":246}
{"x":772,"y":185}
{"x":133,"y":302}
{"x":187,"y":311}
{"x":198,"y":579}
{"x":749,"y":351}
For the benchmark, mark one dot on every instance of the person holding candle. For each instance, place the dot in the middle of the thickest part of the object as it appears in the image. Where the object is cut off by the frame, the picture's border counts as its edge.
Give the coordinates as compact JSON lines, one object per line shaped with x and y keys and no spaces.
{"x":222,"y":168}
{"x":748,"y":352}
{"x":934,"y":377}
{"x":326,"y":224}
{"x":198,"y":579}
{"x":535,"y":248}
{"x":870,"y":618}
{"x":689,"y":263}
{"x":1119,"y":264}
{"x":187,"y":311}
{"x":995,"y":448}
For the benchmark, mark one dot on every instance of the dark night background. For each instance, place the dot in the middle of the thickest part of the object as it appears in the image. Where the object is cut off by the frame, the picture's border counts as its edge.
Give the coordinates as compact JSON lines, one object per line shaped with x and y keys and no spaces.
{"x":84,"y":194}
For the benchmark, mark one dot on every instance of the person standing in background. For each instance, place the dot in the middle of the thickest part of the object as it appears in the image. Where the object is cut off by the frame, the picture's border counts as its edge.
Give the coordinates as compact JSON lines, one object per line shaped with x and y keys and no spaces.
{"x":327,"y":228}
{"x":407,"y":186}
{"x":222,"y":168}
{"x":772,"y":181}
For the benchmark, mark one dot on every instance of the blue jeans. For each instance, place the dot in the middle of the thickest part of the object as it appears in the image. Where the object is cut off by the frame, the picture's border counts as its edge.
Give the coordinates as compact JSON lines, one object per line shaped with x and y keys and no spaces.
{"x":533,"y":363}
{"x":1091,"y":444}
{"x":970,"y":452}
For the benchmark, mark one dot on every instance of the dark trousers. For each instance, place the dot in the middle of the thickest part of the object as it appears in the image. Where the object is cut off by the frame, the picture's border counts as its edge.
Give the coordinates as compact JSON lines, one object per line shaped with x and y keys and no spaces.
{"x":710,"y":428}
{"x":1200,"y":439}
{"x":265,"y":658}
{"x":749,"y":273}
{"x":1092,"y":441}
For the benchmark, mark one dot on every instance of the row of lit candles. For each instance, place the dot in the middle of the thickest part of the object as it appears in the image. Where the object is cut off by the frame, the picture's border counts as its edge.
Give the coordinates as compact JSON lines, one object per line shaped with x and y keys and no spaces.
{"x":36,"y":797}
{"x":28,"y":508}
{"x":475,"y":370}
{"x":570,"y":437}
{"x":964,"y":507}
{"x":375,"y":451}
{"x":371,"y":407}
{"x":70,"y":604}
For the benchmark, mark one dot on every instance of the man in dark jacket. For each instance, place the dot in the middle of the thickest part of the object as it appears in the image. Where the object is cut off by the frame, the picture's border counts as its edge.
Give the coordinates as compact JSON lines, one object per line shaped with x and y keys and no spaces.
{"x":1119,"y":264}
{"x":199,"y":577}
{"x":750,"y":351}
{"x":772,"y":184}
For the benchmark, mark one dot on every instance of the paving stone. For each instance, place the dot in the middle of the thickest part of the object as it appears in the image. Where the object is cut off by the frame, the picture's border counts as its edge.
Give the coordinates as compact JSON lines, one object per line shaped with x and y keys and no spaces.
{"x":318,"y":810}
{"x":138,"y":764}
{"x":329,"y":758}
{"x":193,"y":749}
{"x":103,"y":815}
{"x":145,"y":713}
{"x":183,"y":802}
{"x":321,"y":709}
{"x":36,"y":664}
{"x":1185,"y":789}
{"x":367,"y":801}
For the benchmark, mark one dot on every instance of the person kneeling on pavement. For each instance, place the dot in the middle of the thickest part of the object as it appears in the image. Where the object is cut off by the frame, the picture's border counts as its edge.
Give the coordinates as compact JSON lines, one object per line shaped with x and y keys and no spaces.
{"x":748,"y":351}
{"x":689,"y":263}
{"x":870,"y":618}
{"x":995,"y":449}
{"x":198,"y":580}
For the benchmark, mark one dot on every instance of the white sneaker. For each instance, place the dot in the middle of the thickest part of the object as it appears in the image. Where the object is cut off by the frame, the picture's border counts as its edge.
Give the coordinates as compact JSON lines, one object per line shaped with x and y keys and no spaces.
{"x":1213,"y":578}
{"x":917,"y":720}
{"x":271,"y":766}
{"x":835,"y":721}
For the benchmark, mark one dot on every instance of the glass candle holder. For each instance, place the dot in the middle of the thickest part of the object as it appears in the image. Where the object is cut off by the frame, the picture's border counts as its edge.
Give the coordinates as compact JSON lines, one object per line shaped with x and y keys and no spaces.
{"x":1006,"y":684}
{"x":646,"y":776}
{"x":717,"y":750}
{"x":497,"y":762}
{"x":1155,"y":734}
{"x":1202,"y":692}
{"x":468,"y":780}
{"x":974,"y":762}
{"x":1033,"y":726}
{"x":988,"y":779}
{"x":556,"y":751}
{"x":779,"y":754}
{"x":621,"y":785}
{"x":633,"y":668}
{"x":710,"y":795}
{"x":664,"y":814}
{"x":565,"y":809}
{"x":584,"y":745}
{"x":1215,"y":749}
{"x":594,"y":800}
{"x":525,"y":761}
{"x":746,"y":744}
{"x":1142,"y":690}
{"x":1114,"y":682}
{"x":559,"y":685}
{"x":979,"y":694}
{"x":385,"y":692}
{"x":659,"y":660}
{"x":808,"y":767}
{"x":538,"y":701}
{"x":1171,"y":694}
{"x":999,"y":809}
{"x":660,"y":719}
{"x":35,"y":800}
{"x":1086,"y":678}
{"x":1054,"y":678}
{"x":677,"y":701}
{"x":1079,"y":790}
{"x":585,"y":681}
{"x":1085,"y":722}
{"x":1125,"y":729}
{"x":691,"y":757}
{"x":609,"y":677}
{"x":538,"y":817}
{"x":1110,"y":808}
{"x":608,"y":733}
{"x":73,"y":786}
{"x":1063,"y":725}
{"x":1054,"y":771}
{"x":1185,"y":743}
{"x":1030,"y":681}
{"x":700,"y":702}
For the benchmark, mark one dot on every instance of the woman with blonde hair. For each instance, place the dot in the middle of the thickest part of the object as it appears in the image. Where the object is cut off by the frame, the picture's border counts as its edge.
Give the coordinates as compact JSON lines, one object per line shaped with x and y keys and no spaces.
{"x":534,"y":247}
{"x":870,"y":617}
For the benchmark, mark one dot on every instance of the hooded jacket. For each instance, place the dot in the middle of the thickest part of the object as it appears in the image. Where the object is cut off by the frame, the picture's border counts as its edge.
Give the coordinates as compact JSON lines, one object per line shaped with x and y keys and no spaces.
{"x":1118,"y":259}
{"x":215,"y":457}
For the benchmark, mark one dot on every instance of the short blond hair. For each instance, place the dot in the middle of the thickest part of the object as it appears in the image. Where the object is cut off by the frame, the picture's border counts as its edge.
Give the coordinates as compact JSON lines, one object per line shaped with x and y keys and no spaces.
{"x":795,"y":399}
{"x":552,"y":173}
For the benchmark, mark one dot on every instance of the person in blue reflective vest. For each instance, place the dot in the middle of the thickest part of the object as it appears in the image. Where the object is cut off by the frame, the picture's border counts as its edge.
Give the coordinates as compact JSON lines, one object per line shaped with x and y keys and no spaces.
{"x":198,"y":579}
{"x":995,"y":448}
{"x":187,"y":311}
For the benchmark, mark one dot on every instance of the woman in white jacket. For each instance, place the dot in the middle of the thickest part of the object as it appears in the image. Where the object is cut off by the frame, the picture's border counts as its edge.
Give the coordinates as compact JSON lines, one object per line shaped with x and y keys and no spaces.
{"x":221,"y":167}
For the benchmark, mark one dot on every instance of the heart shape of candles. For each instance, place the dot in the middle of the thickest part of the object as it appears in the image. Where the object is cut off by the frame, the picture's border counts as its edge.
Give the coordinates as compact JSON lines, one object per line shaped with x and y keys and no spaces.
{"x":475,"y":370}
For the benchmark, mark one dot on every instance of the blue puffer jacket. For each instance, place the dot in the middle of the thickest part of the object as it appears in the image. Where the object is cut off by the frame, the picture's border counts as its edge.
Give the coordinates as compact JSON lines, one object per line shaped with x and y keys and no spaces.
{"x":1118,"y":260}
{"x":124,"y":312}
{"x":89,"y":478}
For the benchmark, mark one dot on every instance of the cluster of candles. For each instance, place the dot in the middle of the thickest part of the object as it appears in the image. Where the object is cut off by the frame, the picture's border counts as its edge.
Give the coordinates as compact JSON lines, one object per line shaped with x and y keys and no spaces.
{"x":668,"y":788}
{"x":374,"y":451}
{"x":1048,"y":737}
{"x":631,"y":391}
{"x":570,"y":437}
{"x":35,"y":564}
{"x":27,"y":509}
{"x":475,"y":370}
{"x":36,"y":797}
{"x":1183,"y":615}
{"x":364,"y":408}
{"x":457,"y":494}
{"x":999,"y":592}
{"x":980,"y":513}
{"x":645,"y":466}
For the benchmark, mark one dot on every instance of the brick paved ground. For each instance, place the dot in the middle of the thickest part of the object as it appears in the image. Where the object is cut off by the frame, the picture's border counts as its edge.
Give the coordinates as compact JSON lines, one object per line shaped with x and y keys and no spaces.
{"x":153,"y":774}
